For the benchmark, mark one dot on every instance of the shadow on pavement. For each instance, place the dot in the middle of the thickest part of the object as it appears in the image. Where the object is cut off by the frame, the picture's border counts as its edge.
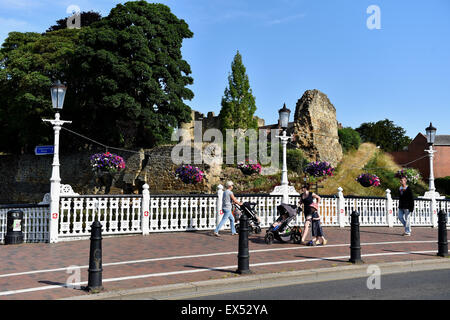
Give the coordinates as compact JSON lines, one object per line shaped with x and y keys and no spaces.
{"x":415,"y":253}
{"x":324,"y":259}
{"x":208,"y":268}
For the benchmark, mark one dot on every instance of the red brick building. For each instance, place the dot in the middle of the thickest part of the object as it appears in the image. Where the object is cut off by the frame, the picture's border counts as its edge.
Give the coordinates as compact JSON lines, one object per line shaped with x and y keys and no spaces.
{"x":416,"y":149}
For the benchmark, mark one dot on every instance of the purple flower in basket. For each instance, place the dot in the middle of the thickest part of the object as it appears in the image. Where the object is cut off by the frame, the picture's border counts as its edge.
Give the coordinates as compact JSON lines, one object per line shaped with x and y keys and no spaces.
{"x":189,"y":174}
{"x":319,"y":169}
{"x":368,"y":180}
{"x":107,"y":162}
{"x":247,"y":168}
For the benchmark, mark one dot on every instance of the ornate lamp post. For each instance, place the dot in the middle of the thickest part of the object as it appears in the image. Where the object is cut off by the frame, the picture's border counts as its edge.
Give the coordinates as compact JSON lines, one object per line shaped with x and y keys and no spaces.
{"x":284,"y":189}
{"x":284,"y":123}
{"x":431,"y":193}
{"x":431,"y":136}
{"x":58,"y":92}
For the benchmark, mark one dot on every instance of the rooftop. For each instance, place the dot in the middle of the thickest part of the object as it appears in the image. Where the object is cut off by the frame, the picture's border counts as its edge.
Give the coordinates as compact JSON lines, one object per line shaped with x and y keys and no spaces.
{"x":442,"y":140}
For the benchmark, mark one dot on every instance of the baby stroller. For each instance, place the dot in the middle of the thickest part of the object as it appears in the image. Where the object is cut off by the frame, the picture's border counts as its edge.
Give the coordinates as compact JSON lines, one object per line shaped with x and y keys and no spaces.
{"x":282,"y":230}
{"x":247,"y":208}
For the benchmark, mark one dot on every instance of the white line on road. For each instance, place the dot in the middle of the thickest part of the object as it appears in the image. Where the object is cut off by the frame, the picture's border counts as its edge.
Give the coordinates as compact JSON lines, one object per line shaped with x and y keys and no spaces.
{"x":4,"y":293}
{"x":64,"y":269}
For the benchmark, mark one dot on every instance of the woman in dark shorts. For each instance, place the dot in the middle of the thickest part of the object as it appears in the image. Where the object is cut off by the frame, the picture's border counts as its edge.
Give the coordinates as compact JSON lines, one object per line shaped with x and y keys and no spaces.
{"x":307,"y":198}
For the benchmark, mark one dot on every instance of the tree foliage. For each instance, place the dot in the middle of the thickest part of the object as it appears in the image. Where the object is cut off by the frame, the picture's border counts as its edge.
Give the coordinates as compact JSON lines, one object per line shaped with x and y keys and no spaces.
{"x":126,"y":79}
{"x":132,"y":75}
{"x":238,"y":102}
{"x":385,"y":134}
{"x":349,"y":139}
{"x":29,"y":63}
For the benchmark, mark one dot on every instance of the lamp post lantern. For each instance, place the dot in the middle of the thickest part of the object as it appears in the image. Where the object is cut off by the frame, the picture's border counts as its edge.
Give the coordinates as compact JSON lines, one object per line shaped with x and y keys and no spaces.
{"x":58,"y":92}
{"x":431,"y":136}
{"x":284,"y":189}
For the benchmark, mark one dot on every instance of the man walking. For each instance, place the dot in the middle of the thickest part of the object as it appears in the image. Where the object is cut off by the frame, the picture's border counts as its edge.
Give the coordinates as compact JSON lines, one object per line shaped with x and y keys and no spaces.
{"x":405,"y":206}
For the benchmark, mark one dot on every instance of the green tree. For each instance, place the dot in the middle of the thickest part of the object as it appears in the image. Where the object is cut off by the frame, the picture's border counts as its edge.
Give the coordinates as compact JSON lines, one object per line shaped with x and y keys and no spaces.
{"x":29,"y":63}
{"x":295,"y":160}
{"x":132,"y":77}
{"x":349,"y":139}
{"x":126,"y":80}
{"x":385,"y":134}
{"x":238,"y":102}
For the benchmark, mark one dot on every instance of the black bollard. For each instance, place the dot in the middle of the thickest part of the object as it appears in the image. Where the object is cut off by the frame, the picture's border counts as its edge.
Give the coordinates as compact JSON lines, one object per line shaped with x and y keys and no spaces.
{"x":95,"y":259}
{"x":243,"y":254}
{"x":442,"y":234}
{"x":355,"y":247}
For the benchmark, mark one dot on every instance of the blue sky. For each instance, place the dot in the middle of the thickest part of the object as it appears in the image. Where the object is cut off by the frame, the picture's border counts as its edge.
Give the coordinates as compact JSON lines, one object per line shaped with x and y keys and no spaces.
{"x":400,"y":72}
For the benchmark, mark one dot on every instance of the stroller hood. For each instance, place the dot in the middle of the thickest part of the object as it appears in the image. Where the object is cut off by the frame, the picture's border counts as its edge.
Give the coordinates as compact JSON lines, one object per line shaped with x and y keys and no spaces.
{"x":290,"y":209}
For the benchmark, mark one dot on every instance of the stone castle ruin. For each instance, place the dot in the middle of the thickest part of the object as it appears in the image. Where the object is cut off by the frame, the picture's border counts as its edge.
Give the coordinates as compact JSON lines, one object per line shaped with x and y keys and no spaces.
{"x":315,"y":128}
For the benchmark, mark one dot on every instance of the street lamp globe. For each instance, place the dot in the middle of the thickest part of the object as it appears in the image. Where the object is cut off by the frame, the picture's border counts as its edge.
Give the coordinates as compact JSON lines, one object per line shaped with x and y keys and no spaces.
{"x":431,"y":134}
{"x":58,"y":92}
{"x":284,"y":117}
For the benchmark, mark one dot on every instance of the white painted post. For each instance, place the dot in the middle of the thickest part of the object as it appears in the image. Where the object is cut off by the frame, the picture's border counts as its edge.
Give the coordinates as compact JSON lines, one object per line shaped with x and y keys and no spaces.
{"x":434,"y":217}
{"x":389,"y":209}
{"x":219,"y":202}
{"x":145,"y":210}
{"x":341,"y":207}
{"x":55,"y":180}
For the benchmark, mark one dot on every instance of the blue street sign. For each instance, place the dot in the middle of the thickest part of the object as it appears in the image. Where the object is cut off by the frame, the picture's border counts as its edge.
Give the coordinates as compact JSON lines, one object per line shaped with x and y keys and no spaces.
{"x":43,"y":150}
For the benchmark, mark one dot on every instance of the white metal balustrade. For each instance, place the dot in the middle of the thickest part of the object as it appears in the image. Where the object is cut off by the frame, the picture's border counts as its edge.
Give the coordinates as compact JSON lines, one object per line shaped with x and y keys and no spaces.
{"x":144,"y":214}
{"x":35,"y":223}
{"x":117,"y":214}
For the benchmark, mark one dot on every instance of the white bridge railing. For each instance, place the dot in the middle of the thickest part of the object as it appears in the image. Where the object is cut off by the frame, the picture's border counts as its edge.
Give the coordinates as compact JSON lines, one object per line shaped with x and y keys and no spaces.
{"x":35,"y":224}
{"x":145,"y":214}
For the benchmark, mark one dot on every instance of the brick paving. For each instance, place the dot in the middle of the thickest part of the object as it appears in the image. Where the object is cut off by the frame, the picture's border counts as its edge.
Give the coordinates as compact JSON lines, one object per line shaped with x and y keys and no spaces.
{"x":44,"y":256}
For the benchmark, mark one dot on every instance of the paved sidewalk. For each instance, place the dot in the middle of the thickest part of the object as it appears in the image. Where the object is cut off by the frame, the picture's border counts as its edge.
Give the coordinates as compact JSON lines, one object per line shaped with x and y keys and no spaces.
{"x":39,"y":271}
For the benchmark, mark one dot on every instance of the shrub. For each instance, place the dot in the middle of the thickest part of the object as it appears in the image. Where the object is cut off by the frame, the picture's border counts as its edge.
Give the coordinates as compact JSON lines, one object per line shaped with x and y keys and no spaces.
{"x":443,"y":185}
{"x":349,"y":139}
{"x":377,"y":165}
{"x":295,"y":160}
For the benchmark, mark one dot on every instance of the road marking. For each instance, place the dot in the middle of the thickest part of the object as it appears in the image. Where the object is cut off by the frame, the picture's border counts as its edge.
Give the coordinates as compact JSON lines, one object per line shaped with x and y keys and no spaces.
{"x":163,"y":274}
{"x":208,"y":255}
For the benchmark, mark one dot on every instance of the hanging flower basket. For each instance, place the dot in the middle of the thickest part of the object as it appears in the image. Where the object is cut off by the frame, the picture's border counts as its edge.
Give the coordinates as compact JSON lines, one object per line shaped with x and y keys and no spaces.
{"x":248,"y":169}
{"x":107,"y":162}
{"x":319,"y":169}
{"x":189,"y":174}
{"x":412,"y":175}
{"x":368,"y":180}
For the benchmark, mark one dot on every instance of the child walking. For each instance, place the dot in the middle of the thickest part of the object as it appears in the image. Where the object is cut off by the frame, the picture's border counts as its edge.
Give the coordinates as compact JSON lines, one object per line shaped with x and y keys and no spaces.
{"x":317,"y":232}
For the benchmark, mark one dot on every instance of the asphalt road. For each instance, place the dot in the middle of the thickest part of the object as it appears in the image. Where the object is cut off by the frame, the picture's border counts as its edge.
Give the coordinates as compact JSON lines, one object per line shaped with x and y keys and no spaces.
{"x":423,"y":285}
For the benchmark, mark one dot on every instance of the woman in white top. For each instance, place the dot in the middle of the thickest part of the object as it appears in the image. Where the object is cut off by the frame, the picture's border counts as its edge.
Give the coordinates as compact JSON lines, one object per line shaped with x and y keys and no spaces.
{"x":227,"y":201}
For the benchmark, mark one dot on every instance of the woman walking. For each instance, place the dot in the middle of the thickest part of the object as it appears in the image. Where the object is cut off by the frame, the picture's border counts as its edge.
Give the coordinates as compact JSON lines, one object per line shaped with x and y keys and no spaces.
{"x":307,"y":198}
{"x":227,"y":201}
{"x":405,"y":206}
